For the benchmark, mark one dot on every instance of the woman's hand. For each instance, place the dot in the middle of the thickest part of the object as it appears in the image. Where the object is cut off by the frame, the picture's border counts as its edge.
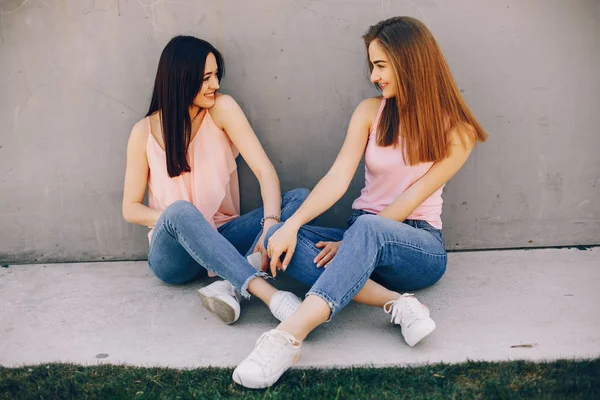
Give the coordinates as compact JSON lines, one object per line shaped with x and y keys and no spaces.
{"x":283,"y":241}
{"x":260,"y":245}
{"x":327,"y":254}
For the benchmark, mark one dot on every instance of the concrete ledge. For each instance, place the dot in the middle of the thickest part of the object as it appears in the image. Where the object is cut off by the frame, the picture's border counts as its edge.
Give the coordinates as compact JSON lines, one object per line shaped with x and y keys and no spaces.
{"x":119,"y":312}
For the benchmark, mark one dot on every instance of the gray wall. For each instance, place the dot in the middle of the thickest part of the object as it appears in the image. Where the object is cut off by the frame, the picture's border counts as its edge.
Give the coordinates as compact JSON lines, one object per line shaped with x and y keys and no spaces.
{"x":75,"y":76}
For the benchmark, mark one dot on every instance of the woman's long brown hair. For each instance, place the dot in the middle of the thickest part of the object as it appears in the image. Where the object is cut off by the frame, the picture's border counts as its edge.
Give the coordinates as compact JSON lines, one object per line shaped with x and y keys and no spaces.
{"x":428,"y":104}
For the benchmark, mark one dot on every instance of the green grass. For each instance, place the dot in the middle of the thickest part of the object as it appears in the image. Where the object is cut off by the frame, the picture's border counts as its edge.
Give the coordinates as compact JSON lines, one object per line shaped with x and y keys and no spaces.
{"x":472,"y":380}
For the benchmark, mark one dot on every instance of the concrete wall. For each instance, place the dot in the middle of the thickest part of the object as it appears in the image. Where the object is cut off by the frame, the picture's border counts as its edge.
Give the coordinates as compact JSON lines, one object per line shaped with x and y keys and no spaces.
{"x":76,"y":75}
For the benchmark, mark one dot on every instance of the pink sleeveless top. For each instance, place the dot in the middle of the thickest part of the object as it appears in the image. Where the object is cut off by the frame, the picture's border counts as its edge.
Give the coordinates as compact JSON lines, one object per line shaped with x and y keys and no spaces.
{"x":387,"y":177}
{"x":212,"y":183}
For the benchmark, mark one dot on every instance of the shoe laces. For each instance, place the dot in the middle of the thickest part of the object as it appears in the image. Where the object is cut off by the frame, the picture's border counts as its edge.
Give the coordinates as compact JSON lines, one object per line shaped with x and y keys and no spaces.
{"x":412,"y":312}
{"x":269,"y":345}
{"x":285,"y":304}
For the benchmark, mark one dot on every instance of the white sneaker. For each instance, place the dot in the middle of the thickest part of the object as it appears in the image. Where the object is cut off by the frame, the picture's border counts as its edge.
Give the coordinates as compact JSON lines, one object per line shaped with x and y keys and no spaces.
{"x":222,"y":299}
{"x":284,"y":304}
{"x":274,"y":353}
{"x":412,"y":316}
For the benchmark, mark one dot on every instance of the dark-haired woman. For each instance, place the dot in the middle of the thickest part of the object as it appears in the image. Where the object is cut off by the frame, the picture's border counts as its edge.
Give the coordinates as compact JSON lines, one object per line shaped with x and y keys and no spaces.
{"x":183,"y":153}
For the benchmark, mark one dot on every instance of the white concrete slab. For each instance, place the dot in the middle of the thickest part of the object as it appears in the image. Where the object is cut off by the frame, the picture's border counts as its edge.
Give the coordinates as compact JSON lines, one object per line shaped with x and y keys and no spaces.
{"x":119,"y":313}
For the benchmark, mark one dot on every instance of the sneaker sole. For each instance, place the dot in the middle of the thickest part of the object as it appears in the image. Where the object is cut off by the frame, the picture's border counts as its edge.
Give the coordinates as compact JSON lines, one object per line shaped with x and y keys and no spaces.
{"x":424,"y":329}
{"x":218,"y":307}
{"x":264,"y":382}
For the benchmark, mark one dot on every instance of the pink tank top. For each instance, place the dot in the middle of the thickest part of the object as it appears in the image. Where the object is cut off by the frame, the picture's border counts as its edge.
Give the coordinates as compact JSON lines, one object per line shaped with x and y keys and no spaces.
{"x":211,"y":185}
{"x":387,"y":177}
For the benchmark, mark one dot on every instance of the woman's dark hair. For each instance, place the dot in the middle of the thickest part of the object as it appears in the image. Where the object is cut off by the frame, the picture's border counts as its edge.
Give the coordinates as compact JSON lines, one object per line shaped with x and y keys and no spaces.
{"x":178,"y":80}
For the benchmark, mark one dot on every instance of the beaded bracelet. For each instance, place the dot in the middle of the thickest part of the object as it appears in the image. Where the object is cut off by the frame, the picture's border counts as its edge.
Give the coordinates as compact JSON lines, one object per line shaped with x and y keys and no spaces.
{"x":275,"y":217}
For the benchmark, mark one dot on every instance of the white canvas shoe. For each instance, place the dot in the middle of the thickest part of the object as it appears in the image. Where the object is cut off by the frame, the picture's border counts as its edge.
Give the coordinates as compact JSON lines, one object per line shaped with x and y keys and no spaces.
{"x":412,"y":316}
{"x":274,"y":353}
{"x":283,"y":304}
{"x":222,"y":299}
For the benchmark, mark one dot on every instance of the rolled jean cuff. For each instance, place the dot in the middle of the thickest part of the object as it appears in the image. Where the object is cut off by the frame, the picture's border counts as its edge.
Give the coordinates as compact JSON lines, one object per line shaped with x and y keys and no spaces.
{"x":244,"y":289}
{"x":330,"y":302}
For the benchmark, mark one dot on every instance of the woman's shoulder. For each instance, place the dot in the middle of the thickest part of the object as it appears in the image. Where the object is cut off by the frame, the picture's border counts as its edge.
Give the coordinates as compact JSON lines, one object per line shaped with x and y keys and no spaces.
{"x":225,"y":107}
{"x":223,"y":101}
{"x":463,"y":134}
{"x":140,"y":131}
{"x":372,"y":104}
{"x":224,"y":104}
{"x":368,"y":109}
{"x":141,"y":128}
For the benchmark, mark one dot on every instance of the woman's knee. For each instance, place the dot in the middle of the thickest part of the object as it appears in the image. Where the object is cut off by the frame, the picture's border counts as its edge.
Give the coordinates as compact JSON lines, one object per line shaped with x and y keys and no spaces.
{"x":369,"y":221}
{"x":174,"y":274}
{"x":173,"y":280}
{"x":296,"y":195}
{"x":437,"y":273}
{"x":271,"y":231}
{"x":179,"y":207}
{"x":365,"y":230}
{"x":428,"y":274}
{"x":181,"y":210}
{"x":375,"y":229}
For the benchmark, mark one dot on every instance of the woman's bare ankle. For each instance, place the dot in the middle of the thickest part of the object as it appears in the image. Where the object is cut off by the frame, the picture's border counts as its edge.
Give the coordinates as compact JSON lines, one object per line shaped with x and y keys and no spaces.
{"x":262,"y":289}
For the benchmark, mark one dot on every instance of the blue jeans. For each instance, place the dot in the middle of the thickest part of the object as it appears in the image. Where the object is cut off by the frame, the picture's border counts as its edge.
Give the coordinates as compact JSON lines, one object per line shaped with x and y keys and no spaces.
{"x":184,"y":245}
{"x":402,"y":256}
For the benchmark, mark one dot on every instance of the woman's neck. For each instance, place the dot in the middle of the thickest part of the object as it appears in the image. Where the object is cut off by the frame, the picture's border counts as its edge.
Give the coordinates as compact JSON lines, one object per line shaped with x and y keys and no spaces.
{"x":194,"y":112}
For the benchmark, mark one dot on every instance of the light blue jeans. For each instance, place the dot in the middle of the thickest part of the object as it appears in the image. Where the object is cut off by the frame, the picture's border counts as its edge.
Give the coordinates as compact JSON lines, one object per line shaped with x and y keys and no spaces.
{"x":184,"y":245}
{"x":402,"y":256}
